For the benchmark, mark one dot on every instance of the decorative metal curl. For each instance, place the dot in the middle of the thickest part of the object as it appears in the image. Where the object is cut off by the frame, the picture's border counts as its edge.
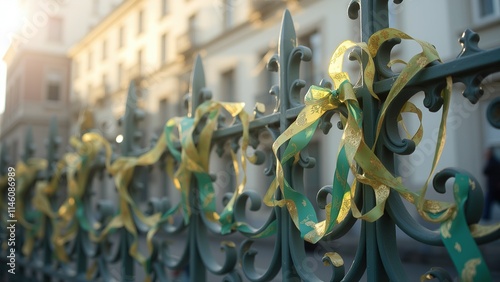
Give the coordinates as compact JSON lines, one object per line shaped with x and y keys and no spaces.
{"x":390,"y":131}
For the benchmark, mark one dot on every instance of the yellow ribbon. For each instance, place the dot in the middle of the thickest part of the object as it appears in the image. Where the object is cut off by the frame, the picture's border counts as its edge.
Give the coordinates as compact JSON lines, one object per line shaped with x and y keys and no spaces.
{"x":70,"y":216}
{"x":25,"y":178}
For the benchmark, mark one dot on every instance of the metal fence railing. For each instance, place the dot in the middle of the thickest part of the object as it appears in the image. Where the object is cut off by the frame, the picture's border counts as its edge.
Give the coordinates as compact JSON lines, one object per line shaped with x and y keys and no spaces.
{"x":54,"y":228}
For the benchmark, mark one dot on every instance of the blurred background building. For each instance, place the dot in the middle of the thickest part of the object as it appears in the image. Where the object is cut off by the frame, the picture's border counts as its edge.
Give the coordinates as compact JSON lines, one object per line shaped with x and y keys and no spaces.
{"x":38,"y":83}
{"x":88,"y":51}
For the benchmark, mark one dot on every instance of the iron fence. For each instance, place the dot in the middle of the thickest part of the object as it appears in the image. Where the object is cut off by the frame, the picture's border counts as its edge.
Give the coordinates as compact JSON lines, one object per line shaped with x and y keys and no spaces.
{"x":61,"y":233}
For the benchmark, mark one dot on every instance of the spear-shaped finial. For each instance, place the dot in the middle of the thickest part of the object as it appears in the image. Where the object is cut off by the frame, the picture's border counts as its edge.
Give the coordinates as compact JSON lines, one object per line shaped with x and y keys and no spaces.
{"x":133,"y":115}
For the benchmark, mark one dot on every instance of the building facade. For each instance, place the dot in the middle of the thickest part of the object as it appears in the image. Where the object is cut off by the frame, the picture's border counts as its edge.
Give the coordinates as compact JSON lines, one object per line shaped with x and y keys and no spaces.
{"x":38,"y":69}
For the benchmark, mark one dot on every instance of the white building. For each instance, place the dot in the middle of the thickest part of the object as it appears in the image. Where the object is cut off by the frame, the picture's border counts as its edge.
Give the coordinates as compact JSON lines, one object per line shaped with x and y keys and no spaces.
{"x":38,"y":68}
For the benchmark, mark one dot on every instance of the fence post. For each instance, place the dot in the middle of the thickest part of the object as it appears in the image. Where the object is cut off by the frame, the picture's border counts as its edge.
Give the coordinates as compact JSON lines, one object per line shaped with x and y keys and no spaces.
{"x":197,"y":270}
{"x":52,"y":145}
{"x":131,"y":135}
{"x":379,"y":236}
{"x":28,"y":153}
{"x":288,"y":73}
{"x":29,"y":146}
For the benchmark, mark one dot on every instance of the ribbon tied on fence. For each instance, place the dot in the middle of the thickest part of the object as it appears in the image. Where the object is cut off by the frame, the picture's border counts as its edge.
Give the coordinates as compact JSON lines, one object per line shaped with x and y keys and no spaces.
{"x":357,"y":158}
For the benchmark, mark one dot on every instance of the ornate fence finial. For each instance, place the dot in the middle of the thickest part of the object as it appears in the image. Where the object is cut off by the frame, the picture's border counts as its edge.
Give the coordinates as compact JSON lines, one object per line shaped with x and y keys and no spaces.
{"x":133,"y":115}
{"x":287,"y":42}
{"x":290,"y":56}
{"x":198,"y":91}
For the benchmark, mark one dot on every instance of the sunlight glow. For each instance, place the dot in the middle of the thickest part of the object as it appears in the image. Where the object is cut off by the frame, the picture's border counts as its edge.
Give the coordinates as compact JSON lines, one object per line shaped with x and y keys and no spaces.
{"x":10,"y":21}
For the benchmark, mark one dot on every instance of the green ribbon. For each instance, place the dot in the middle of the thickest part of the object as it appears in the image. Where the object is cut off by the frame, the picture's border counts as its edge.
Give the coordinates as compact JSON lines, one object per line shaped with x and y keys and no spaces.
{"x":458,"y":240}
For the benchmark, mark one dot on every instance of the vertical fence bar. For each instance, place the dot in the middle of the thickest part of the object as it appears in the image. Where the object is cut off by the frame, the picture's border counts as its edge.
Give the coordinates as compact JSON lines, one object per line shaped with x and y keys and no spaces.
{"x":287,"y":43}
{"x":28,"y":153}
{"x":197,"y":270}
{"x":52,"y":145}
{"x":128,"y":147}
{"x":29,"y":145}
{"x":373,"y":18}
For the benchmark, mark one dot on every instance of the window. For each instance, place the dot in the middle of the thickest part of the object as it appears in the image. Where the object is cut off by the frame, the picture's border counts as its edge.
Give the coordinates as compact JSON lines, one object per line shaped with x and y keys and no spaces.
{"x":54,"y":81}
{"x":121,"y":37}
{"x":104,"y":49}
{"x":163,"y":48}
{"x":140,"y":22}
{"x":486,"y":8}
{"x":55,"y":29}
{"x":53,"y":91}
{"x":164,"y":7}
{"x":485,"y":11}
{"x":228,"y":87}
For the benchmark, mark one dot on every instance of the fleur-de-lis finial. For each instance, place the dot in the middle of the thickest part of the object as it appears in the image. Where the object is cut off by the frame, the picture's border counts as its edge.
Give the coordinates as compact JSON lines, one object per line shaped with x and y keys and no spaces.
{"x":133,"y":115}
{"x":198,"y":91}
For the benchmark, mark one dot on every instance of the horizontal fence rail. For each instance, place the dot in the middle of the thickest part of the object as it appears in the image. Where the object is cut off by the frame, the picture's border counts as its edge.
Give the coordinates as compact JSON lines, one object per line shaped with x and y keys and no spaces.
{"x":57,"y":227}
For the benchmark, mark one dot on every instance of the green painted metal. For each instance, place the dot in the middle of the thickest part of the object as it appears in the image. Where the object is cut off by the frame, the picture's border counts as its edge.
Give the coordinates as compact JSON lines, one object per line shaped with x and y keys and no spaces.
{"x":4,"y":158}
{"x":52,"y":145}
{"x":129,"y":147}
{"x":197,"y":270}
{"x":377,"y":254}
{"x":381,"y":255}
{"x":29,"y":145}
